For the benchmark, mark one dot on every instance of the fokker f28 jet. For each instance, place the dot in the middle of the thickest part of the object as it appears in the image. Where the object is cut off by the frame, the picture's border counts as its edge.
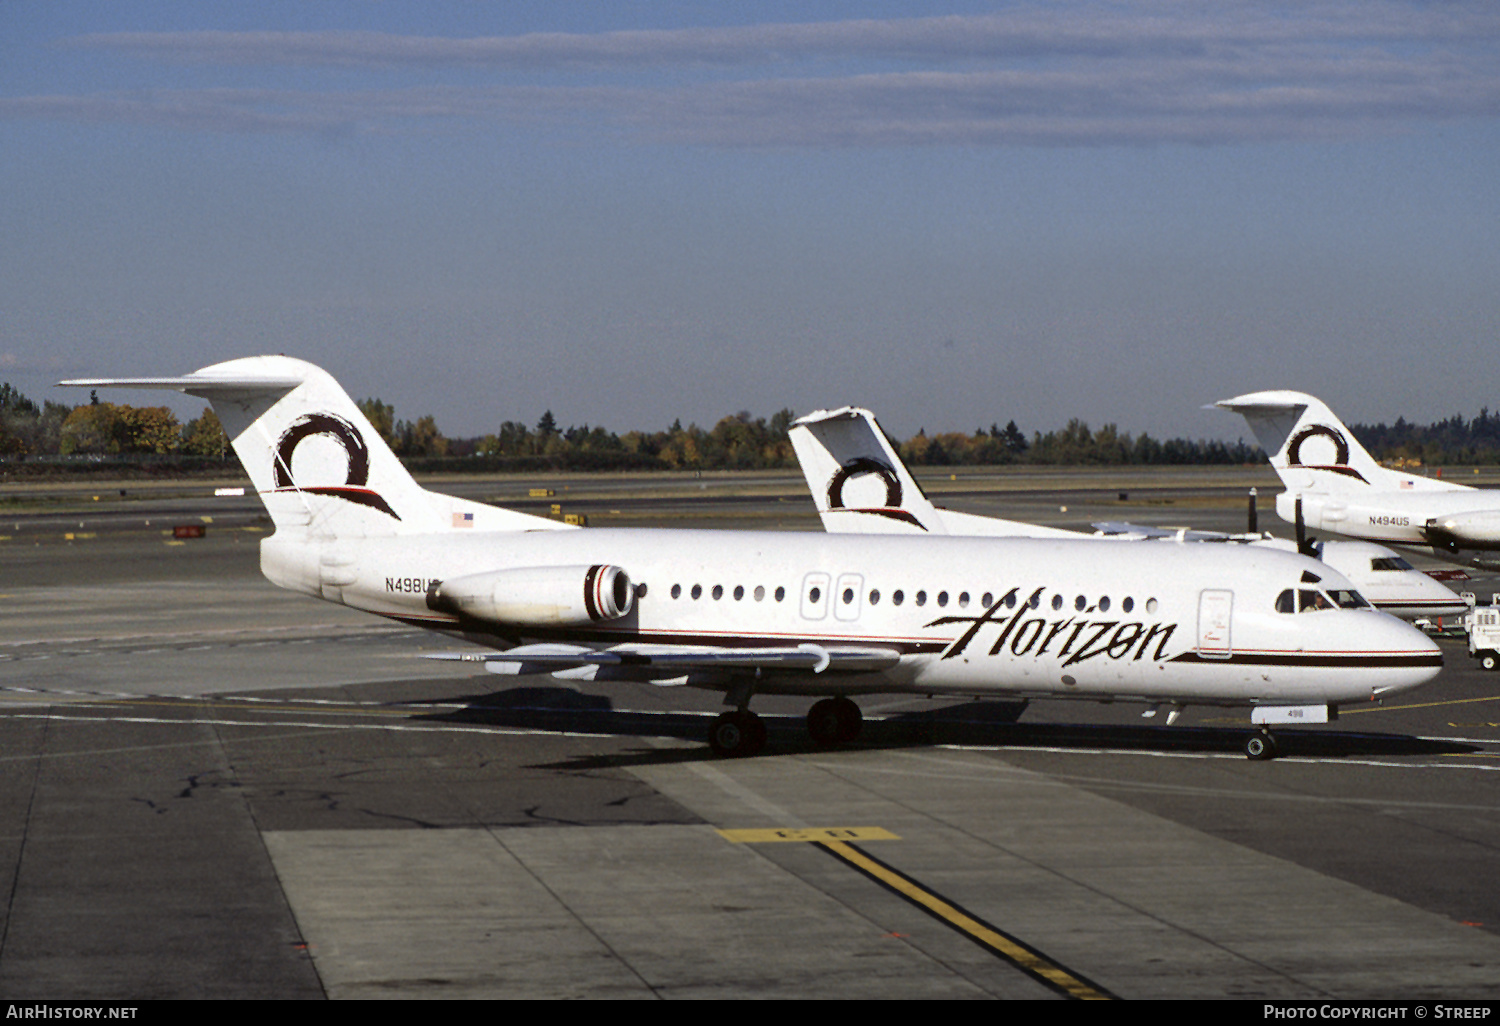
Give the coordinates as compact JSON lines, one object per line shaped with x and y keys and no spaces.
{"x":1333,"y":484}
{"x":860,"y":485}
{"x":755,"y":612}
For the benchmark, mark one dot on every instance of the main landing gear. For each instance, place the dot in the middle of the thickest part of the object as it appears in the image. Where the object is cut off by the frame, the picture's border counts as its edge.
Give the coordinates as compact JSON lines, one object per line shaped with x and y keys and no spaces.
{"x":834,"y":721}
{"x":737,"y":734}
{"x":741,"y":733}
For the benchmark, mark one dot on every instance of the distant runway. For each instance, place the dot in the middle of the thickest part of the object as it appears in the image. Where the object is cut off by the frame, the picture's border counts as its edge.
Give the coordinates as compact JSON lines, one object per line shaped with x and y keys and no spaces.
{"x":211,"y":788}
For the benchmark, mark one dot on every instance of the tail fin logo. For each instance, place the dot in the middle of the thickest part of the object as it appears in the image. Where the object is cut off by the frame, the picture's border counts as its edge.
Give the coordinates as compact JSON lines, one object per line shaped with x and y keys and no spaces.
{"x":1340,"y":464}
{"x":356,"y":451}
{"x":858,"y":467}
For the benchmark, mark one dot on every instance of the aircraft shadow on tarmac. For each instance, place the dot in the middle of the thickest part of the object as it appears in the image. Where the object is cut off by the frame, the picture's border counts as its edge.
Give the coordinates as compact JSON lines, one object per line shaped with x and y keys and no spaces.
{"x":976,"y":723}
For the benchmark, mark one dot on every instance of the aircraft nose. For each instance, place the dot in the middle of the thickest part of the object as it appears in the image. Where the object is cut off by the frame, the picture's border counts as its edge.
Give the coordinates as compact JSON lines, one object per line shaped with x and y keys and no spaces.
{"x":1414,"y":658}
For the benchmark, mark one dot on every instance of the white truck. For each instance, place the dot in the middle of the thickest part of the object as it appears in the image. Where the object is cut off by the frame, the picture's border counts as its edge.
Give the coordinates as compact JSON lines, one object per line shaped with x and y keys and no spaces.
{"x":1483,"y":625}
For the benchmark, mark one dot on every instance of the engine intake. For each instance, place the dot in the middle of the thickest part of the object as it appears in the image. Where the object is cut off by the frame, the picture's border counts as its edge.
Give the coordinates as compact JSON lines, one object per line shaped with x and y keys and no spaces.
{"x":540,"y":596}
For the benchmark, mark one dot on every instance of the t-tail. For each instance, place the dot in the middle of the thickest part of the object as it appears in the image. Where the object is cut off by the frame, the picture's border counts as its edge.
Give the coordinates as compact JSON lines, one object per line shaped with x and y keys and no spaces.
{"x":1312,"y":450}
{"x":319,"y":466}
{"x":861,"y":486}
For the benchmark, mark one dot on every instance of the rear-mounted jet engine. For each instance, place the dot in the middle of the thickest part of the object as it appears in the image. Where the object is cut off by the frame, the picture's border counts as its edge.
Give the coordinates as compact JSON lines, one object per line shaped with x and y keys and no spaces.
{"x":538,"y":596}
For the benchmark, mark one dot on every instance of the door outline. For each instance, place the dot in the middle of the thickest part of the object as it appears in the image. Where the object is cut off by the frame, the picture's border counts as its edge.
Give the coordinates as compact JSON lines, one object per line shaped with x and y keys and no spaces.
{"x":1215,"y":616}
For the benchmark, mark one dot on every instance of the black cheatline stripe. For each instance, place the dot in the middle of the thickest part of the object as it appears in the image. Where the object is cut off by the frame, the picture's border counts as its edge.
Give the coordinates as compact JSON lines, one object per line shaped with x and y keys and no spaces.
{"x":1291,"y":659}
{"x":999,"y":943}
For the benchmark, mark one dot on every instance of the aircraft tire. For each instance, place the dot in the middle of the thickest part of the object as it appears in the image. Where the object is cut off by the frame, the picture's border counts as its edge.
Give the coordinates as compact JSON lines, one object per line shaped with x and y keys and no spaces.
{"x":737,"y":734}
{"x":851,"y":721}
{"x":823,"y":723}
{"x":834,"y":721}
{"x":1260,"y":746}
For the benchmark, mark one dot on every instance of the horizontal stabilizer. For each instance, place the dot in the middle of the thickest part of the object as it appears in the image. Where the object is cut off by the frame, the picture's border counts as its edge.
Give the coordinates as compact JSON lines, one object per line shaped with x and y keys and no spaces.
{"x":201,"y":385}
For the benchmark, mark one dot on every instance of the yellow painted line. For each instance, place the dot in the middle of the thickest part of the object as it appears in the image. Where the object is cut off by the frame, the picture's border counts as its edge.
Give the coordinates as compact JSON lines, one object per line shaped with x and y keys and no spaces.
{"x":809,"y":834}
{"x":1345,"y":711}
{"x":1022,"y":956}
{"x":836,"y":842}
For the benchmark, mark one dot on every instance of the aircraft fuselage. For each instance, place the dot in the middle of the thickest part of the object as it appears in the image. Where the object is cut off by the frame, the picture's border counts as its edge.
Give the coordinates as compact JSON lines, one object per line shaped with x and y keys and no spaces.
{"x":1087,"y":619}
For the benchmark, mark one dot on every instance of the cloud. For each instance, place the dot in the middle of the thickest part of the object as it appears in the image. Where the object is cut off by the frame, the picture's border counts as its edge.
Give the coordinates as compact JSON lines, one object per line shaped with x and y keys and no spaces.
{"x":1092,"y":29}
{"x":1068,"y":74}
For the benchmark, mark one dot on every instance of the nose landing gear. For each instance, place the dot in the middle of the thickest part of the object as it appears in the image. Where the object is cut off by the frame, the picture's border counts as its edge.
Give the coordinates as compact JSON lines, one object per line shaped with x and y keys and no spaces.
{"x":1260,"y":745}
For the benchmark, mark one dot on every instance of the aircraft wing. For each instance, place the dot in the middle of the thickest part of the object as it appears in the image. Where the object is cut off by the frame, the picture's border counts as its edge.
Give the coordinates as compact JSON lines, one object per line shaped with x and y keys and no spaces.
{"x":546,"y":658}
{"x":1124,"y":527}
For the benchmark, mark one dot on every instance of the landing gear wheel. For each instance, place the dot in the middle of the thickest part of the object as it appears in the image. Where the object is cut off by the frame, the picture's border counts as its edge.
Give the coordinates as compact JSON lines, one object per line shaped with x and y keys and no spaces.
{"x":834,"y":721}
{"x":737,"y":734}
{"x":1261,"y":746}
{"x":1489,"y":661}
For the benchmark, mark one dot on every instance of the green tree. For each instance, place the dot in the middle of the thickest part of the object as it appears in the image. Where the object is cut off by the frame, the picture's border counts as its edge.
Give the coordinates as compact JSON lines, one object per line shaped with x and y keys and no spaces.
{"x":205,"y":436}
{"x":382,"y":417}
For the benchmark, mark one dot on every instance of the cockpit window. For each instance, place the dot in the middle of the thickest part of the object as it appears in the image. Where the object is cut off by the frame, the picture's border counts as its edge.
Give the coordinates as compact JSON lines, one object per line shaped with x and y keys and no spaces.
{"x":1310,"y":601}
{"x":1306,"y":600}
{"x":1389,"y":563}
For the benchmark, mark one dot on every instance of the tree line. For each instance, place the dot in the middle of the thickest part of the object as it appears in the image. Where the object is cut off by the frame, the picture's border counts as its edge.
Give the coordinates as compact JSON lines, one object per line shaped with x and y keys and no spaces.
{"x":1451,"y":441}
{"x":737,"y":442}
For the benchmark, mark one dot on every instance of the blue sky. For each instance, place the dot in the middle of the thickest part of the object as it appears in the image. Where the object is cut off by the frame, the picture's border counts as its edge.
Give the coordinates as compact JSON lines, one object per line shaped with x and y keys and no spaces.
{"x":631,"y":213}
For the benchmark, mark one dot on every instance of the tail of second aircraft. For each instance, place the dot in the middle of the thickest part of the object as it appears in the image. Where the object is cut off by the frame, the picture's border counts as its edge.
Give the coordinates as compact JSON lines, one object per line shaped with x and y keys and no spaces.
{"x":858,"y":482}
{"x":861,"y":486}
{"x":1312,"y":450}
{"x":320,"y":467}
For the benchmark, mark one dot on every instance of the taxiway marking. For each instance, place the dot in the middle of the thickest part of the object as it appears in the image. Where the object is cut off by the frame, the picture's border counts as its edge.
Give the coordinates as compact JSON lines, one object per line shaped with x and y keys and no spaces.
{"x":837,"y":841}
{"x":1013,"y":950}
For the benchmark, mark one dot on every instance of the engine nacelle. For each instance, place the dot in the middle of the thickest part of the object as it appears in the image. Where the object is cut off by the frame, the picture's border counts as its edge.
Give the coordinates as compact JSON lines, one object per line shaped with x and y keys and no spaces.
{"x":1477,"y":530}
{"x":537,"y":596}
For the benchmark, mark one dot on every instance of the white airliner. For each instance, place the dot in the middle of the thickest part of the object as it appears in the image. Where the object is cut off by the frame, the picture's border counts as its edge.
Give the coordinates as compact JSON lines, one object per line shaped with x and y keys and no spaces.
{"x":1333,"y":484}
{"x":860,"y":485}
{"x":749,"y":612}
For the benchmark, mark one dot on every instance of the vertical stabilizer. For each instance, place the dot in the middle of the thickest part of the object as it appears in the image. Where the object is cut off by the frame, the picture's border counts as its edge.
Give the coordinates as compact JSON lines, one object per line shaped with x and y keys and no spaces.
{"x":861,"y":486}
{"x":319,"y":466}
{"x":1312,"y":450}
{"x":858,"y":482}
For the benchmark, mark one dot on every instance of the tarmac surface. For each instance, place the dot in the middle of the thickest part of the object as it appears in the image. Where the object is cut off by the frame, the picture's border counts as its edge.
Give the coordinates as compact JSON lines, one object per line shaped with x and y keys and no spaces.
{"x":210,"y":788}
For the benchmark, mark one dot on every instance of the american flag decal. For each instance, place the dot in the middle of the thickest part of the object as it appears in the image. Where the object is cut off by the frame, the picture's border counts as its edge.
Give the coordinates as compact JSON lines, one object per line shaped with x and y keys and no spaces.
{"x":463,"y":520}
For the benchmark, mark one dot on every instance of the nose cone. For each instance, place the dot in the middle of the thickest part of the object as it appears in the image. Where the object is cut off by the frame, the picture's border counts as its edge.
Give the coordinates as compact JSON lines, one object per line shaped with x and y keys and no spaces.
{"x":1402,"y":657}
